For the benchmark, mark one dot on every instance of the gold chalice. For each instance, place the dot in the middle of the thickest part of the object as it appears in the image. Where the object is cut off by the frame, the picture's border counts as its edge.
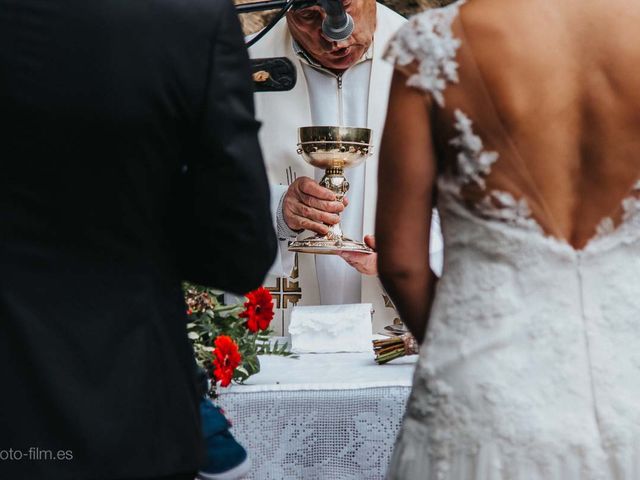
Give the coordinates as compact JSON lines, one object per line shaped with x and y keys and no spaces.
{"x":333,"y":149}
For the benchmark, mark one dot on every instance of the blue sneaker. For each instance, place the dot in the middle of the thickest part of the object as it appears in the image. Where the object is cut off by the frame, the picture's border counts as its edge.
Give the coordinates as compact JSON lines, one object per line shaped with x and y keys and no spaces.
{"x":226,"y":458}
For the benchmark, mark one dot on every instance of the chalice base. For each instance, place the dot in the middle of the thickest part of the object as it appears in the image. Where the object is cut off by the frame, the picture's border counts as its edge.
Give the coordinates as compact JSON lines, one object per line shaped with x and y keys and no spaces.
{"x":322,"y":245}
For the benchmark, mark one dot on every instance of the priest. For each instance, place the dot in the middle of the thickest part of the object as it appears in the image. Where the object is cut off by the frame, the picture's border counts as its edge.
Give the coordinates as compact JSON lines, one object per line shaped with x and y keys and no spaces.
{"x":338,"y":83}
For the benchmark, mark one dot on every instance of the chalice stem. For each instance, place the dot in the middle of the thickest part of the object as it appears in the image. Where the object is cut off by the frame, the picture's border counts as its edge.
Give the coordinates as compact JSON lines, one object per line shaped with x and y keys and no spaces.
{"x":335,"y":181}
{"x":335,"y":232}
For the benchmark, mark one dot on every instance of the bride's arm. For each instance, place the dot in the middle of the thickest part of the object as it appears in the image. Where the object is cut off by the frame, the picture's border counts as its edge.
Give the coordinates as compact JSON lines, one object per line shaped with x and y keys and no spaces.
{"x":405,"y":197}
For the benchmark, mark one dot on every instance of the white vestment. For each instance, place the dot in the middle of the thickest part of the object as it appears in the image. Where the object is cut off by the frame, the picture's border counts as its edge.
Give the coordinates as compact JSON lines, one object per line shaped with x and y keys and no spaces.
{"x":341,"y":100}
{"x":358,"y":99}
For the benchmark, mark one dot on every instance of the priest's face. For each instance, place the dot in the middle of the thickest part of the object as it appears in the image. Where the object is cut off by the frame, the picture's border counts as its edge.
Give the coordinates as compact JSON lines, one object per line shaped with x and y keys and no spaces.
{"x":306,"y":27}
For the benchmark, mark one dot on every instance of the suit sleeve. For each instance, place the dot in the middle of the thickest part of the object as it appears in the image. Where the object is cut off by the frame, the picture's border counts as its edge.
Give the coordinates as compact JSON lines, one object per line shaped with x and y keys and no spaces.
{"x":230,"y":201}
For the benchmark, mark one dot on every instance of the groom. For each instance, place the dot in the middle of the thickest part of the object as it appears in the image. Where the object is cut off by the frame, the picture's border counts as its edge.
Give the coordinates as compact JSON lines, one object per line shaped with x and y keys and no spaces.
{"x":127,"y":128}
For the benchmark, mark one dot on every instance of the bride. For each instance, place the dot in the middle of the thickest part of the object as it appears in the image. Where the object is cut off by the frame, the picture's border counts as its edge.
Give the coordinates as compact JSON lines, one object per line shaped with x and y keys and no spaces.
{"x":520,"y":121}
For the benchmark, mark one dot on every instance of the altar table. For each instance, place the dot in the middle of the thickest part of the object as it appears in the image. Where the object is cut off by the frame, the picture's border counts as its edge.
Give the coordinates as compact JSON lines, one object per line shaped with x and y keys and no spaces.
{"x":320,"y":416}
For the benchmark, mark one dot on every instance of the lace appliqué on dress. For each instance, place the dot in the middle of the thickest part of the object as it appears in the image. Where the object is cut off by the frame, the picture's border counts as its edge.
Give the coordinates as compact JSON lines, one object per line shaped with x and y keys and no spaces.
{"x":473,"y":164}
{"x":630,"y":210}
{"x":504,"y":207}
{"x":428,"y":40}
{"x":433,"y":400}
{"x":473,"y":161}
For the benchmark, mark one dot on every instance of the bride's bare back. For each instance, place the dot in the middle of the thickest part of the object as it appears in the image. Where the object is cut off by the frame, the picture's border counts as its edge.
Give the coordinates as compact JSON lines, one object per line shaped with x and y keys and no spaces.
{"x":564,"y":77}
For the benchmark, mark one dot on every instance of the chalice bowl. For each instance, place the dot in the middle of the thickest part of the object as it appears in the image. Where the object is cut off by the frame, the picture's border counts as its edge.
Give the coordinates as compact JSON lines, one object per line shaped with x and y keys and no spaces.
{"x":333,"y":149}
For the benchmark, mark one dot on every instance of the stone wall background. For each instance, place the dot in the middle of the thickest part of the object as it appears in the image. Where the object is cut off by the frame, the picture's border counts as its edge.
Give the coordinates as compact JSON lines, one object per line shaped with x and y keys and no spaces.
{"x":253,"y":22}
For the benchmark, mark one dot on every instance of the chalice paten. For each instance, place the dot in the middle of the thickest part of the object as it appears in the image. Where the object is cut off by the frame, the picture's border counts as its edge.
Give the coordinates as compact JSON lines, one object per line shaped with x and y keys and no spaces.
{"x":333,"y":149}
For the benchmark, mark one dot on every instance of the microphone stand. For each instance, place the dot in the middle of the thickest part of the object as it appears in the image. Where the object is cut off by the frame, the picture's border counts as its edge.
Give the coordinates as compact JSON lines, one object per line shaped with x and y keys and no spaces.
{"x":283,"y":5}
{"x":263,"y":6}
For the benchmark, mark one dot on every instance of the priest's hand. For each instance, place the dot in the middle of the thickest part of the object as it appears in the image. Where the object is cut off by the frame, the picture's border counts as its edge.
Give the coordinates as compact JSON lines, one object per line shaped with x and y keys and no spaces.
{"x":308,"y":206}
{"x":365,"y":263}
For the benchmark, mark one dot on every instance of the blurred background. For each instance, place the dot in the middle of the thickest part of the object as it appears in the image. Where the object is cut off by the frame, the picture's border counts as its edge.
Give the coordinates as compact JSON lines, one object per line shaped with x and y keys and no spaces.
{"x":253,"y":22}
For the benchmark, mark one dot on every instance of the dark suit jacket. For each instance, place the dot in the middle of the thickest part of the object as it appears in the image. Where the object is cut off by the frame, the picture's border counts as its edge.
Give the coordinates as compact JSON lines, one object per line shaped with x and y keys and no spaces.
{"x":128,"y":162}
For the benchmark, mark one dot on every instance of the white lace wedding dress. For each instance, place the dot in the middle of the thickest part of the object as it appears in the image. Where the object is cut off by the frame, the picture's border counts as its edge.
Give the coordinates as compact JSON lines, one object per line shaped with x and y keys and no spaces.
{"x":531,"y":365}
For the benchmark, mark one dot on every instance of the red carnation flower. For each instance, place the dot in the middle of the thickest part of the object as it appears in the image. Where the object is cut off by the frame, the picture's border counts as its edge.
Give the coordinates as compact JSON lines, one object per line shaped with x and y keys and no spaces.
{"x":226,"y":359}
{"x":258,"y":310}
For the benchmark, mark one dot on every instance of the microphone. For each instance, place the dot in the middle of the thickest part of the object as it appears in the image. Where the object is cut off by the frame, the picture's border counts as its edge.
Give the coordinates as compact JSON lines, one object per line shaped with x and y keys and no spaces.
{"x":338,"y":24}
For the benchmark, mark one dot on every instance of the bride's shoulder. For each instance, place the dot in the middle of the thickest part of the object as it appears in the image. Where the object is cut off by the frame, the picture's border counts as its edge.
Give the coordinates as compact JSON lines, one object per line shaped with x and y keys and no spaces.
{"x":426,"y":47}
{"x":425,"y":28}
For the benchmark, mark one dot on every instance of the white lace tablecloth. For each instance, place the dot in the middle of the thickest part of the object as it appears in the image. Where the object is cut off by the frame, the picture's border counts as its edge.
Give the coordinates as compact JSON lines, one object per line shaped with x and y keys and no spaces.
{"x":322,"y":416}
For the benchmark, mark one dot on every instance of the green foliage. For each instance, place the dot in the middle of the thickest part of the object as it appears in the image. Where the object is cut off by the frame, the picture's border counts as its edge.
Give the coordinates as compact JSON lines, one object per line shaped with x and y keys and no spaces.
{"x":209,"y":318}
{"x":267,"y":348}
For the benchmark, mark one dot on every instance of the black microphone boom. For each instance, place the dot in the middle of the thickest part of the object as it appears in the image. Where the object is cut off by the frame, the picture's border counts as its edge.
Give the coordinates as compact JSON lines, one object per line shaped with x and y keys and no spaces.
{"x":272,"y":5}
